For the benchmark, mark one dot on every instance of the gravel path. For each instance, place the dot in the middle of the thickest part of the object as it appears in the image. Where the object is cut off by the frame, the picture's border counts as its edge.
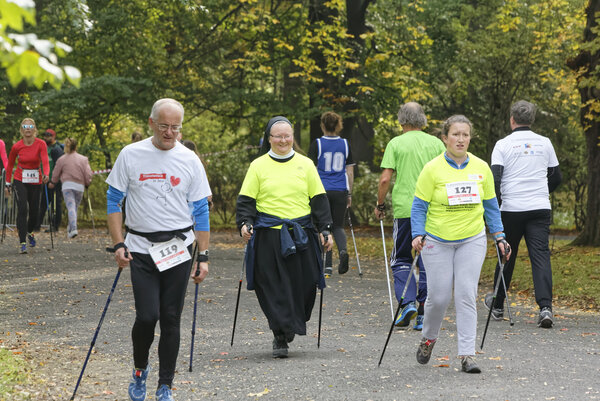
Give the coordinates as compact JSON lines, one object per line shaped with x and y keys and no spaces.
{"x":51,"y":302}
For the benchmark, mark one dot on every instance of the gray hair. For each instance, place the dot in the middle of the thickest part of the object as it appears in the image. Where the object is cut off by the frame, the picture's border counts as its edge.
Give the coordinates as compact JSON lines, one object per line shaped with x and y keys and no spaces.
{"x":162,"y":102}
{"x":412,"y":114}
{"x":457,"y":118}
{"x":523,"y":112}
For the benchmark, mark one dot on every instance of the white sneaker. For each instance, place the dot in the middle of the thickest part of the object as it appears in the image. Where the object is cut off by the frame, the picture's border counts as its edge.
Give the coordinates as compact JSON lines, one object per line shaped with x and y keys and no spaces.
{"x":72,"y":234}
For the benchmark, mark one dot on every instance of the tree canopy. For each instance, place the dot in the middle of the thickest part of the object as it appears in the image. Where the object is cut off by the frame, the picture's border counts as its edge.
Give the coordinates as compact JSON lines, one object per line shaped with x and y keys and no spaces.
{"x":236,"y":63}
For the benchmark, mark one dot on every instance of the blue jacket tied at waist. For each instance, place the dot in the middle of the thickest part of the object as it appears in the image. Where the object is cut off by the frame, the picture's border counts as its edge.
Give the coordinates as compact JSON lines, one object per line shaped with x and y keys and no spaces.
{"x":289,"y":246}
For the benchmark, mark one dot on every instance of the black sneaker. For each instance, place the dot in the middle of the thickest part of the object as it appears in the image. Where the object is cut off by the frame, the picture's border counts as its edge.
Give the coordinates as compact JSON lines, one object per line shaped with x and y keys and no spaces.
{"x":469,"y":365}
{"x":280,"y":347}
{"x":343,"y":267}
{"x":424,"y":351}
{"x":497,"y":313}
{"x":328,"y":271}
{"x":545,"y":319}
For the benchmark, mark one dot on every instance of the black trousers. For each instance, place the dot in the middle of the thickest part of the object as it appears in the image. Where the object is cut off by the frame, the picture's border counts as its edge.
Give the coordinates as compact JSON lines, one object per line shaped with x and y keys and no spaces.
{"x":534,"y":225}
{"x":159,"y":296}
{"x":28,"y":202}
{"x":337,"y":204}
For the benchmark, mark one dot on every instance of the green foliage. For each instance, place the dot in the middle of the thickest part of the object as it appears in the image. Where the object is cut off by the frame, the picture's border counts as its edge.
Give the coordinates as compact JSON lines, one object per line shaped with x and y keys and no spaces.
{"x":364,"y":196}
{"x":226,"y":172}
{"x":24,"y":56}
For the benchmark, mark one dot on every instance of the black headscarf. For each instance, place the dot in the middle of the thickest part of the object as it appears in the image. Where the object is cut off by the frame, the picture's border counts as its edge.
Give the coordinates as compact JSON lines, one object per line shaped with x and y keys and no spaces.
{"x":266,"y":146}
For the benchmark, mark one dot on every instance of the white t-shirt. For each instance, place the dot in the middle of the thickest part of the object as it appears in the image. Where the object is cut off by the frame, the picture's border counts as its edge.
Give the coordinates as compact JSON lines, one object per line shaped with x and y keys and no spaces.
{"x":526,"y":157}
{"x":159,"y":184}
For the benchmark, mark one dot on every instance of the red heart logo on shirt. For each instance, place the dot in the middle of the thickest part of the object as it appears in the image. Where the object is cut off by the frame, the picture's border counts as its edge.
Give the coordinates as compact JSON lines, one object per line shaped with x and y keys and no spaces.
{"x":175,"y":181}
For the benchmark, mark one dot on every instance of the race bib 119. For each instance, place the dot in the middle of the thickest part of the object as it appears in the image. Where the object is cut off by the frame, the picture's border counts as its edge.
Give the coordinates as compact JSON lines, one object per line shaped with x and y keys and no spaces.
{"x":168,"y":254}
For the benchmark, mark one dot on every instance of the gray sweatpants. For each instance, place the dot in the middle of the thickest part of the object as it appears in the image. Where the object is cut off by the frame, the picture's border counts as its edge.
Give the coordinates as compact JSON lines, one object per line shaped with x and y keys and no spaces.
{"x":453,"y":264}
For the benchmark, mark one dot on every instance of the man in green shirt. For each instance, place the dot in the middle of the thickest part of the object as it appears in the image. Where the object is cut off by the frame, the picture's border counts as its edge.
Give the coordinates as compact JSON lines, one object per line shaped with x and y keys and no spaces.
{"x":406,"y":155}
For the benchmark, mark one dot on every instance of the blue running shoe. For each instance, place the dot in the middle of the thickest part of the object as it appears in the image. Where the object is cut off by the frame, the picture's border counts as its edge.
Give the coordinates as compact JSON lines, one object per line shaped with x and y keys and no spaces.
{"x":409,"y":312}
{"x":23,"y":247}
{"x":137,"y":386}
{"x":31,"y":239}
{"x":419,"y":323}
{"x":164,"y":393}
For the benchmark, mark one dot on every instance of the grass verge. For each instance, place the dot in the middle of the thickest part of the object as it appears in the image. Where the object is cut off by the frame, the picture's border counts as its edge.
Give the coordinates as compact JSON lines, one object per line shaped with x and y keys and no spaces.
{"x":13,"y":374}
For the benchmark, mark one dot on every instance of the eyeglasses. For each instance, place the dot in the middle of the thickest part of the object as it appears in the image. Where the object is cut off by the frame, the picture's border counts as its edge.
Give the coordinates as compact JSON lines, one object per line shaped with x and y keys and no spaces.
{"x":165,"y":127}
{"x":30,"y":126}
{"x":281,"y":138}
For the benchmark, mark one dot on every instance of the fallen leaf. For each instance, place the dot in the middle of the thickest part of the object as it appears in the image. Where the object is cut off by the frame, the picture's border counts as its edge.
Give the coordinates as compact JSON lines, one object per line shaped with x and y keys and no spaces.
{"x":443,"y":365}
{"x":443,"y":358}
{"x":265,"y":391}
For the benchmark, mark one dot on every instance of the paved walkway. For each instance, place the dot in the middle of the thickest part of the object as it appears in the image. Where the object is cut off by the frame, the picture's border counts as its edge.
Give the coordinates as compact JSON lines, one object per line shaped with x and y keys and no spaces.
{"x":51,"y":301}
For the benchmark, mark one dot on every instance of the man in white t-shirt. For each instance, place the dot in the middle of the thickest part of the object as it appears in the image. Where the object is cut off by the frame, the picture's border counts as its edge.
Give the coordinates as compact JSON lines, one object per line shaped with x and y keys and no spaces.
{"x":525,"y":171}
{"x":160,"y":177}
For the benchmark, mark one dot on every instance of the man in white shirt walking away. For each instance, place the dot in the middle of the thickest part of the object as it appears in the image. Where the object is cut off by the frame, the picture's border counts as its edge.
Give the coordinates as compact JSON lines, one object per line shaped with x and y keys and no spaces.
{"x":525,"y":171}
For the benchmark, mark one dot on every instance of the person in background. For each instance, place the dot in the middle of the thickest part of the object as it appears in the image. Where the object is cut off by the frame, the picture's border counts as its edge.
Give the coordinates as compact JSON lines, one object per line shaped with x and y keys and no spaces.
{"x":136,"y":137}
{"x":55,"y":152}
{"x":333,"y":158}
{"x":406,"y":155}
{"x":453,"y":195}
{"x":29,"y":153}
{"x":281,"y":209}
{"x":73,"y":171}
{"x":3,"y":157}
{"x":526,"y":171}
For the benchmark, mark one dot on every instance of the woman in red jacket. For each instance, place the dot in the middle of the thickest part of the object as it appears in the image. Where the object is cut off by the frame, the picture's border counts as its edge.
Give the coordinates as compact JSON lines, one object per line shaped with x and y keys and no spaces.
{"x":30,"y":153}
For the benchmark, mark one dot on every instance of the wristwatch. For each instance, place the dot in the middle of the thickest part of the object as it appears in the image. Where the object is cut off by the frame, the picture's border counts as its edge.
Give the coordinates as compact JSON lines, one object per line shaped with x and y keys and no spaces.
{"x":202,"y":256}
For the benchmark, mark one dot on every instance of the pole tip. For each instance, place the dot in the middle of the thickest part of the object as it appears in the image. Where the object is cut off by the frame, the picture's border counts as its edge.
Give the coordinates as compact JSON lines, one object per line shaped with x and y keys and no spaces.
{"x":190,"y":368}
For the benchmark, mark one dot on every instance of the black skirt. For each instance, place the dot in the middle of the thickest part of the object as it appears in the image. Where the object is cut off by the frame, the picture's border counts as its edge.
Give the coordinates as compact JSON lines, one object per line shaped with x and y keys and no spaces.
{"x":286,"y":288}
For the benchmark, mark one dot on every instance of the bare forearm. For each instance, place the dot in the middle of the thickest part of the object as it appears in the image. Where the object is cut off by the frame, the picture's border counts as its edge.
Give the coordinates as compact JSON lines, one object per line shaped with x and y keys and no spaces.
{"x":202,"y":239}
{"x":350,"y":174}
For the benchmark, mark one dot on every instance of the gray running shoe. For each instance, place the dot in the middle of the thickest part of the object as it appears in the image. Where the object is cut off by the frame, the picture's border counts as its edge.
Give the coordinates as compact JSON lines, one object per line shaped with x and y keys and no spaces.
{"x":497,"y":313}
{"x":424,"y":351}
{"x":328,"y":271}
{"x":545,"y":319}
{"x":469,"y":365}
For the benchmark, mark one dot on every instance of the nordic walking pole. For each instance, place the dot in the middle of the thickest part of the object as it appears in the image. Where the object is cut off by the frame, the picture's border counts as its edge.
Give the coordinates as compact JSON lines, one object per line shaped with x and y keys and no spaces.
{"x":501,"y":274}
{"x":50,"y":215}
{"x":510,"y":319}
{"x":195,"y":306}
{"x":387,"y":268}
{"x":410,"y":274}
{"x":112,"y":290}
{"x":237,"y":303}
{"x":92,"y":213}
{"x":326,"y":237}
{"x":354,"y":241}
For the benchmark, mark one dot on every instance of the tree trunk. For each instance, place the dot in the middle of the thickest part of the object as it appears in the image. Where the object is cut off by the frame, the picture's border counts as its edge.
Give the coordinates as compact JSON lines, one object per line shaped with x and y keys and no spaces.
{"x":586,"y":65}
{"x":102,"y":141}
{"x":356,"y":128}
